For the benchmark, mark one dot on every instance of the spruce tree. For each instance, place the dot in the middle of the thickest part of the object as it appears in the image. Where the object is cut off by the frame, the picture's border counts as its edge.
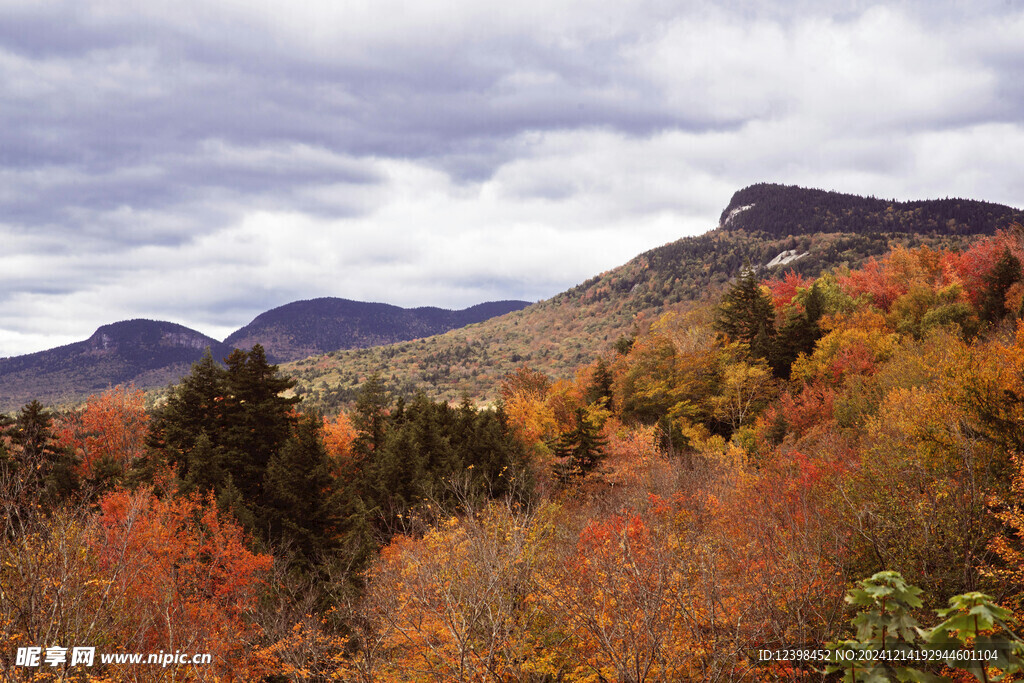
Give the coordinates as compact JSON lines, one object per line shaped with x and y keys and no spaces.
{"x":206,"y":467}
{"x":257,"y":418}
{"x":370,"y":419}
{"x":579,"y":450}
{"x":798,"y":334}
{"x":600,"y":384}
{"x":395,"y":474}
{"x":746,"y":315}
{"x":300,"y":492}
{"x":499,"y":461}
{"x":46,"y":472}
{"x":194,"y":407}
{"x":433,"y":452}
{"x":230,"y":500}
{"x":223,"y":426}
{"x":1004,"y":274}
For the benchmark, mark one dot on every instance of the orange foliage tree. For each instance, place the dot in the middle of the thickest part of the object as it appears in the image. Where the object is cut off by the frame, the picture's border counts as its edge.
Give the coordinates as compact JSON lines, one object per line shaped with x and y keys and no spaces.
{"x":109,"y":431}
{"x":781,"y":543}
{"x":784,"y":289}
{"x":179,"y":577}
{"x":339,"y":436}
{"x":450,"y":606}
{"x":524,"y":394}
{"x":1009,"y":568}
{"x":614,"y":599}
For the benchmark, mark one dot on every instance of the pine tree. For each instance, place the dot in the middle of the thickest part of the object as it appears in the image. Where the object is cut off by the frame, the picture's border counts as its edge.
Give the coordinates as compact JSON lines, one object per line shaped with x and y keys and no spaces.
{"x":798,"y":334}
{"x":433,"y":452}
{"x":194,"y":407}
{"x":746,"y":315}
{"x":258,"y":420}
{"x":579,"y":450}
{"x":370,"y":419}
{"x":300,"y":491}
{"x":600,"y":384}
{"x":394,"y":475}
{"x":1005,"y":273}
{"x":498,"y":459}
{"x":623,"y":345}
{"x":45,"y":471}
{"x":206,"y":470}
{"x":230,"y":501}
{"x":223,"y":426}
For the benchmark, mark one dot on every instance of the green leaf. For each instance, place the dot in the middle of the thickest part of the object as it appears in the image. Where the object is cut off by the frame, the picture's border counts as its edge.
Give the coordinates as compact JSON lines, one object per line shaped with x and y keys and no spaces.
{"x":918,"y":676}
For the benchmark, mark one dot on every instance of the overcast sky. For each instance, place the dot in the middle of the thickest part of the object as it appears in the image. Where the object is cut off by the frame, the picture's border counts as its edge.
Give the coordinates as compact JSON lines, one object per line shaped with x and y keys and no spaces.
{"x":202,"y":161}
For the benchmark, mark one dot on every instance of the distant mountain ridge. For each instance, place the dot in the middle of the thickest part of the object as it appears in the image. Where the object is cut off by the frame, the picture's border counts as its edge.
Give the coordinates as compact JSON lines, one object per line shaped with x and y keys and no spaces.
{"x":131,"y":339}
{"x":152,"y":353}
{"x":147,"y":352}
{"x":304,"y":328}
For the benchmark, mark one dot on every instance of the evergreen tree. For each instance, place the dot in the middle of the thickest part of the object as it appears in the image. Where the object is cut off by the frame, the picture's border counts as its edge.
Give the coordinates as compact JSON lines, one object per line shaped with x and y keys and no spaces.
{"x":798,"y":334}
{"x":394,"y":476}
{"x":746,"y":315}
{"x":206,"y":469}
{"x":433,"y":430}
{"x":300,"y":492}
{"x":623,"y":345}
{"x":600,"y":384}
{"x":1005,"y":273}
{"x":579,"y":450}
{"x":193,"y":408}
{"x":257,"y":418}
{"x":500,"y":466}
{"x":45,"y":472}
{"x":230,"y":500}
{"x":362,"y":488}
{"x":433,"y":452}
{"x":221,"y":427}
{"x":32,"y":435}
{"x":105,"y":475}
{"x":370,"y":419}
{"x":416,"y":460}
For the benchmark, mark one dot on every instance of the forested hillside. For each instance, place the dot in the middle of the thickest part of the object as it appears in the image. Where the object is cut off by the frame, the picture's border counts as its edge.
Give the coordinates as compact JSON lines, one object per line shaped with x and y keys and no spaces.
{"x":676,"y":508}
{"x":823,"y":229}
{"x":780,"y":210}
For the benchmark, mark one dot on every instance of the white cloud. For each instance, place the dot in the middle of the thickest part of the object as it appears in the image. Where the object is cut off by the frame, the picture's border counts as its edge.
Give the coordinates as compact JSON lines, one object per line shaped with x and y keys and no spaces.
{"x":882,"y":69}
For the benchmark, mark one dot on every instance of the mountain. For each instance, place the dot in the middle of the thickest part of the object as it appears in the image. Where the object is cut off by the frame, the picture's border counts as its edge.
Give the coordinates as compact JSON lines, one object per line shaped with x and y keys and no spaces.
{"x":151,"y":353}
{"x":781,"y":210}
{"x":791,"y":228}
{"x":305,"y":328}
{"x":147,"y":352}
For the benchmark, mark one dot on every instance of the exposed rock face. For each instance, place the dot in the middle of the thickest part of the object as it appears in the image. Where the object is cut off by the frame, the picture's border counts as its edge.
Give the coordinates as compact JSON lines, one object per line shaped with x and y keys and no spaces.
{"x":784,"y":258}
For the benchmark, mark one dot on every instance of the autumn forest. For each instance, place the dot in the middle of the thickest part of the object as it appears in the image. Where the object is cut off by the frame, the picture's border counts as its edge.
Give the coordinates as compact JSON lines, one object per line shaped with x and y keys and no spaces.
{"x":829,"y":462}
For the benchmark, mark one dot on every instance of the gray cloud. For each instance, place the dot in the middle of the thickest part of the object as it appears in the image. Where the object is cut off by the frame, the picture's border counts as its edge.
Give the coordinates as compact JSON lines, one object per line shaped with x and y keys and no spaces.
{"x":204,"y":162}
